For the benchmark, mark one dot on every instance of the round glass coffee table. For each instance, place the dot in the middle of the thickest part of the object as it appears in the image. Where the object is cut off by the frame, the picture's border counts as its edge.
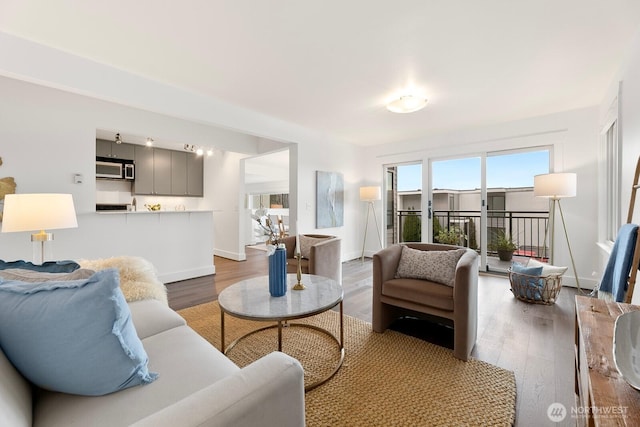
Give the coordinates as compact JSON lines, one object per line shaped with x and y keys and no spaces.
{"x":250,"y":300}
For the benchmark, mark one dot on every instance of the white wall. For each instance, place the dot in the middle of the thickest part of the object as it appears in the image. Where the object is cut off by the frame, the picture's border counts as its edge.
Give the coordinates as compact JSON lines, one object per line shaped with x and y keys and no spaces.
{"x":330,"y":157}
{"x":226,"y":179}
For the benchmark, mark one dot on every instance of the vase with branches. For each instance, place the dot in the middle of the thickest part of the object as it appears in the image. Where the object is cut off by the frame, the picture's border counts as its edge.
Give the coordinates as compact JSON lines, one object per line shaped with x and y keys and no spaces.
{"x":269,"y":227}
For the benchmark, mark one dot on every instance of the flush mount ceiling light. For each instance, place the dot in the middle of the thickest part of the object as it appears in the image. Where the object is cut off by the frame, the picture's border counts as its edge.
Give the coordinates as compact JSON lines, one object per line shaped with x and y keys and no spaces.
{"x":149,"y":142}
{"x":407,"y":104}
{"x":118,"y":140}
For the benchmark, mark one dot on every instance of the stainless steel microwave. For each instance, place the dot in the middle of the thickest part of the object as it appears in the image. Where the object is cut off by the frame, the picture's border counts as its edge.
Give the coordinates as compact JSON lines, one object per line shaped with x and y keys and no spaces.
{"x":109,"y":168}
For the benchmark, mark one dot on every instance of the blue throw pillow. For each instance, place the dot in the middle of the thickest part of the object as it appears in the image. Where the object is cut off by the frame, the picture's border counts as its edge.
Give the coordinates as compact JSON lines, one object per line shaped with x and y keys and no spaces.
{"x":48,"y":267}
{"x":530,"y":287}
{"x":72,"y":336}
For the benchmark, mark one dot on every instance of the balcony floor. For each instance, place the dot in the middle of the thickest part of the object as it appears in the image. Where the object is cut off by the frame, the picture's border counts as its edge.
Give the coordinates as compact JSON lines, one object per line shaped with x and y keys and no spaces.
{"x":495,"y":265}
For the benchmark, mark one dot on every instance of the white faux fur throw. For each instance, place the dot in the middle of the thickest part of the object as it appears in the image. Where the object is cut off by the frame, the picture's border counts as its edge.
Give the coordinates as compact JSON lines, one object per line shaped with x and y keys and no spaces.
{"x":138,"y":279}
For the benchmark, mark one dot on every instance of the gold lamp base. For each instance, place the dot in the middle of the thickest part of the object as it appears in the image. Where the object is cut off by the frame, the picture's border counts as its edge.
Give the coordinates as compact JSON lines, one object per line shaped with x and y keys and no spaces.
{"x":42,"y":236}
{"x":299,"y":286}
{"x":40,"y":239}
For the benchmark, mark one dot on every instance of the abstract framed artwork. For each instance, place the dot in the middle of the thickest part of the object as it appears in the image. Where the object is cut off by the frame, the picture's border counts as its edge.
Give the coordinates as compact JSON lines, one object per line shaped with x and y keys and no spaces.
{"x":329,"y":199}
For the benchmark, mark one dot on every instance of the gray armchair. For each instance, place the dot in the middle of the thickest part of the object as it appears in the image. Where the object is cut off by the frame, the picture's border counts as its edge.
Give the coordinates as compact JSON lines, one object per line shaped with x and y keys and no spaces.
{"x":457,"y":306}
{"x":324,"y":259}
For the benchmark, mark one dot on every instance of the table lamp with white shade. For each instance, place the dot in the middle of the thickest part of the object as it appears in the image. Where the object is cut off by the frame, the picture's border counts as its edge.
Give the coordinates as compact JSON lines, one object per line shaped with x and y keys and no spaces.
{"x":556,"y":186}
{"x":33,"y":212}
{"x":370,"y":195}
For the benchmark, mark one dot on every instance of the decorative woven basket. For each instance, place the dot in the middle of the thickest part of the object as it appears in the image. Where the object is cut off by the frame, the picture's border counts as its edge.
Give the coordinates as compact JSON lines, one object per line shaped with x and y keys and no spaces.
{"x":535,"y":289}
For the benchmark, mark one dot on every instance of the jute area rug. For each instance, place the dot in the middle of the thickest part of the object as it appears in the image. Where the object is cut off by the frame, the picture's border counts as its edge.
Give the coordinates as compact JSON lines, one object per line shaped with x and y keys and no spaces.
{"x":388,"y":379}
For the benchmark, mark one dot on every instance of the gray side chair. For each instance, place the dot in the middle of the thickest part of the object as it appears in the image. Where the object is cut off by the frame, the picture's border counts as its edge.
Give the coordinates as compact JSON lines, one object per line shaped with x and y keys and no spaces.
{"x":324,"y":259}
{"x":457,"y":306}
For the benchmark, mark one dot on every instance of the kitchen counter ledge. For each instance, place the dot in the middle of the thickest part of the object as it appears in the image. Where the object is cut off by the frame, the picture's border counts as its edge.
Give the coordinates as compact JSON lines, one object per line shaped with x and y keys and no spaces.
{"x":148,"y":212}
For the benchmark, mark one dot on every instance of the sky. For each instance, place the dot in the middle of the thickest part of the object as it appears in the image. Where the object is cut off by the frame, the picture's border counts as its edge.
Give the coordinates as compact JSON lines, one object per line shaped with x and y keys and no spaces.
{"x":506,"y":170}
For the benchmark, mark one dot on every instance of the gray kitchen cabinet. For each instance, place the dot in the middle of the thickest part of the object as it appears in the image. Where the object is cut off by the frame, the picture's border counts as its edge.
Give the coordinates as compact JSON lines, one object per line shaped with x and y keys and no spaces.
{"x":186,"y":174}
{"x":143,"y":184}
{"x":195,"y":175}
{"x":178,"y":173}
{"x":163,"y":172}
{"x":106,"y":148}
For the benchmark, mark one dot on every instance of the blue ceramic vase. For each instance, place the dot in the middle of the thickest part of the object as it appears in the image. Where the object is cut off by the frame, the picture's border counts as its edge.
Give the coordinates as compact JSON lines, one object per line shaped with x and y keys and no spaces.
{"x":278,"y":273}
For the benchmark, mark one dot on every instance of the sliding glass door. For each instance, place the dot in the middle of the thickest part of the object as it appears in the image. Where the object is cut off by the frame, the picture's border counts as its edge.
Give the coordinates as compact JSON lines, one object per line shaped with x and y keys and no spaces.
{"x":516,"y":219}
{"x":455,"y":206}
{"x":485,"y":202}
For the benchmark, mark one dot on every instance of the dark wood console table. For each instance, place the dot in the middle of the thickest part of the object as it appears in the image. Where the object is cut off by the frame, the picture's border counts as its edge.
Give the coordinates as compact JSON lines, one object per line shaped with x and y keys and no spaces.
{"x":603,"y":397}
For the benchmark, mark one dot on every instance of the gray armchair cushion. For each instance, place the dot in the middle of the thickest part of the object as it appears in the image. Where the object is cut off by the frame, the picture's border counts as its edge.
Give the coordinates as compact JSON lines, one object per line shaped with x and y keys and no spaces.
{"x":436,"y":266}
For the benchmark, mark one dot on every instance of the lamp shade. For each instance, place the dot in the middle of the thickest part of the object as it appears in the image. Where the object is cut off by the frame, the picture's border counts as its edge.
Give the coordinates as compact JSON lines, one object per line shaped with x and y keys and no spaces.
{"x":555,"y":185}
{"x":30,"y":212}
{"x":368,"y":194}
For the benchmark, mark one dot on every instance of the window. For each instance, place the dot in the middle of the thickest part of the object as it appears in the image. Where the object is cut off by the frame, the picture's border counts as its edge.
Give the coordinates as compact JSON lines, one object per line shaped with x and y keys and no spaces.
{"x":610,"y":169}
{"x":612,"y":180}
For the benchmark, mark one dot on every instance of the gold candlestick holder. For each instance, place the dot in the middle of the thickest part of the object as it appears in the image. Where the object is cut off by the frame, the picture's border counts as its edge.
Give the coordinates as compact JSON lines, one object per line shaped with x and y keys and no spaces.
{"x":299,"y":286}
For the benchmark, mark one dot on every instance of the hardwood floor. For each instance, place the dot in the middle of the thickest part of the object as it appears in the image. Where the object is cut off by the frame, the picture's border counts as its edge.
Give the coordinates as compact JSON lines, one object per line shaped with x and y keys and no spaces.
{"x":534,"y":341}
{"x":188,"y":293}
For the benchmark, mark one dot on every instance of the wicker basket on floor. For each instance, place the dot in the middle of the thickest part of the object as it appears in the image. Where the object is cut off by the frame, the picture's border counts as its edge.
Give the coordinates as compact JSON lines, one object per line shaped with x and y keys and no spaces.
{"x":535,"y":289}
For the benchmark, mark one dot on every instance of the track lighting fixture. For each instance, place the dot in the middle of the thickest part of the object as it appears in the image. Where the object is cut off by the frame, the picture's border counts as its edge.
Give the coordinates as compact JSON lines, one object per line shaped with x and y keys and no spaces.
{"x":198,"y":149}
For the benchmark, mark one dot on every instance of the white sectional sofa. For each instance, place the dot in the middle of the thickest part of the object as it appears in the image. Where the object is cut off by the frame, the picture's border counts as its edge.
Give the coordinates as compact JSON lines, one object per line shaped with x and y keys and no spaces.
{"x":196,"y":386}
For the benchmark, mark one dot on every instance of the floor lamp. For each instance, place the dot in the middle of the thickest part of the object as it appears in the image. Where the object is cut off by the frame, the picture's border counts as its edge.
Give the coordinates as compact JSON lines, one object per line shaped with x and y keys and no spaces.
{"x":556,"y":186}
{"x":32,"y":212}
{"x":370,"y":195}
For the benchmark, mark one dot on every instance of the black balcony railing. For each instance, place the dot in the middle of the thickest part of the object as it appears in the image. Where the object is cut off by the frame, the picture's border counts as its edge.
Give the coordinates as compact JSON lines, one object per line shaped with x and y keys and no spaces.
{"x":527,"y":229}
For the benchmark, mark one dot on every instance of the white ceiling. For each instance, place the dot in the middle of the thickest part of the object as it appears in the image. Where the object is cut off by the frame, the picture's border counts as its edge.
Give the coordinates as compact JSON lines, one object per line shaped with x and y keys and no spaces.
{"x":331,"y":65}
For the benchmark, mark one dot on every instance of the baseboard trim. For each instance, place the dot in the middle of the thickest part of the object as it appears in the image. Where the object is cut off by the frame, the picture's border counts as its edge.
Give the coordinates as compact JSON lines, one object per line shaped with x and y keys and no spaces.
{"x":177,"y":276}
{"x":236,"y":256}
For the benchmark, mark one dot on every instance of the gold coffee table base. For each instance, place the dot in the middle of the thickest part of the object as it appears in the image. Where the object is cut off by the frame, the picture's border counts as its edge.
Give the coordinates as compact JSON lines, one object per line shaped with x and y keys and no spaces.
{"x":284,"y":323}
{"x":249,"y":299}
{"x":300,"y":325}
